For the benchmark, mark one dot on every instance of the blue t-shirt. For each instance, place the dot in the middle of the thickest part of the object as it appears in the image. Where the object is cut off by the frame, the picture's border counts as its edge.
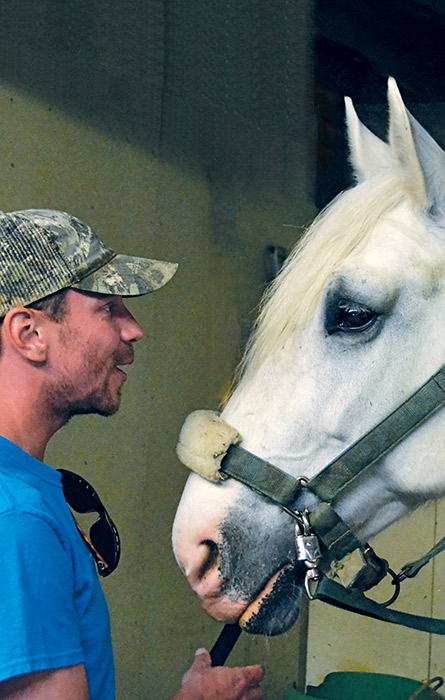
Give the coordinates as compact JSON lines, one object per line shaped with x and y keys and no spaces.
{"x":53,"y":612}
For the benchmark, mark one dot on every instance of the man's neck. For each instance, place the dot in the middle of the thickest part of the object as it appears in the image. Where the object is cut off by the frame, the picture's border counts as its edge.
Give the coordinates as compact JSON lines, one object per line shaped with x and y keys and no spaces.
{"x":24,"y":419}
{"x":23,"y":432}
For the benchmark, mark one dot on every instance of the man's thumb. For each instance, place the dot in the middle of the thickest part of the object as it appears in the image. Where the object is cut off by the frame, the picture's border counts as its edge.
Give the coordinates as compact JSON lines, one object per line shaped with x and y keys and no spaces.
{"x":202,"y":658}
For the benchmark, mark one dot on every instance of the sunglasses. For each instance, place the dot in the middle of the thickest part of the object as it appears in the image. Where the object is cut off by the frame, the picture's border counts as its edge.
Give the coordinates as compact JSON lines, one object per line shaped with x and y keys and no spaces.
{"x":103,"y":540}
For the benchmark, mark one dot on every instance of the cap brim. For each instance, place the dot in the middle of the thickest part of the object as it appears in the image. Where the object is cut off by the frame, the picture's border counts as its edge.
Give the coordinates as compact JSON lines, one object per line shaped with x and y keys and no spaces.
{"x":128,"y":276}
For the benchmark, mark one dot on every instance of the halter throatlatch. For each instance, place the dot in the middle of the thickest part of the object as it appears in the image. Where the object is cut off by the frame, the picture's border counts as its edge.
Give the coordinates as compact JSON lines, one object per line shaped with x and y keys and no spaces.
{"x":354,"y":565}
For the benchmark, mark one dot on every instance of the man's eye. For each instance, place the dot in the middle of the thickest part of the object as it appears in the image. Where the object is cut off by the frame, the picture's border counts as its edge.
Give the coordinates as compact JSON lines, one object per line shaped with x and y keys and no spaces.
{"x":349,"y":317}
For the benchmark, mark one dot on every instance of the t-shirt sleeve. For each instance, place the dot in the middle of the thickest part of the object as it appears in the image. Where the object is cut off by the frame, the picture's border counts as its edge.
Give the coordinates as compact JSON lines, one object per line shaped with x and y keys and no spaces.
{"x":37,"y":608}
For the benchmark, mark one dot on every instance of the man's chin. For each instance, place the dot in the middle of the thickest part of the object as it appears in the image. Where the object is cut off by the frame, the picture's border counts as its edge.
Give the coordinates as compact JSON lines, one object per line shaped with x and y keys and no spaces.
{"x":98,"y":407}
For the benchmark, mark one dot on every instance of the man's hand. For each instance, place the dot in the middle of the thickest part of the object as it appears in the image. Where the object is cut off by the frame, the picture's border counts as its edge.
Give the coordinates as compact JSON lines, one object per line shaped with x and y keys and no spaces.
{"x":202,"y":682}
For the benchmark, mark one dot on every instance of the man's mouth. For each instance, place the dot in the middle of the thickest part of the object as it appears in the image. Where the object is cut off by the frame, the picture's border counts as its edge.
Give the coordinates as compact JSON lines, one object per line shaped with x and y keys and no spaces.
{"x":121,"y":372}
{"x":124,"y":363}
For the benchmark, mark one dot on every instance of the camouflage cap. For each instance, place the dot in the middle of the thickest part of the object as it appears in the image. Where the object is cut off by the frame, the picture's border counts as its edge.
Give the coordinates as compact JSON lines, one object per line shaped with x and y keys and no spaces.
{"x":43,"y":251}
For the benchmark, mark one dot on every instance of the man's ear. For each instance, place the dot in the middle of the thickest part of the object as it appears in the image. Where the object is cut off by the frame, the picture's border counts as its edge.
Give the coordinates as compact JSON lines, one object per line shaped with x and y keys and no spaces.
{"x":24,"y":331}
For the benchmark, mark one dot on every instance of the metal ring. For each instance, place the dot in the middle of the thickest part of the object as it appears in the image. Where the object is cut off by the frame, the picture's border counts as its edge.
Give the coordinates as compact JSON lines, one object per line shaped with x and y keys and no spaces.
{"x":428,"y":684}
{"x":438,"y":680}
{"x":395,"y":582}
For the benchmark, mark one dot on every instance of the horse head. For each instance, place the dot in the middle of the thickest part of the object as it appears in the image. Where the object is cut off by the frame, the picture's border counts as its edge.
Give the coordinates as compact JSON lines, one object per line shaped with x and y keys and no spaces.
{"x":351,"y":327}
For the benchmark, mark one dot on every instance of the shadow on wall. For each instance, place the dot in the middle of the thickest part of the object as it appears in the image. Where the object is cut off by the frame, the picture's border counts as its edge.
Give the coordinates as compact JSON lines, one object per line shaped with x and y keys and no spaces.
{"x":213,"y":85}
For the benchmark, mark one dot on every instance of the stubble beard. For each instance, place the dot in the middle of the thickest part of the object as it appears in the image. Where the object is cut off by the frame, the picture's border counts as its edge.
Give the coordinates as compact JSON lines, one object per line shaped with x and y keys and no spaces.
{"x":65,"y":399}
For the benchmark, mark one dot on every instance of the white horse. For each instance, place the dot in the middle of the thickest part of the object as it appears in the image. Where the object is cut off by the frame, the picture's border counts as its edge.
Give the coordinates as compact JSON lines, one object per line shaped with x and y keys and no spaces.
{"x":352,"y":326}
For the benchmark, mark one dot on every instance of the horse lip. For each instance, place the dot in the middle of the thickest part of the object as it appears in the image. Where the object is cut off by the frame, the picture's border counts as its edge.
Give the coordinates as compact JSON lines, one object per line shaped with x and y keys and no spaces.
{"x":221,"y":607}
{"x":217,"y":603}
{"x":254,"y":606}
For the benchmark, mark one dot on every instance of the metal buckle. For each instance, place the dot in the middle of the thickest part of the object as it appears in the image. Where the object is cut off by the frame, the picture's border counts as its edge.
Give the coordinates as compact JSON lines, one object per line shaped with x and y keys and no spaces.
{"x":308,"y":550}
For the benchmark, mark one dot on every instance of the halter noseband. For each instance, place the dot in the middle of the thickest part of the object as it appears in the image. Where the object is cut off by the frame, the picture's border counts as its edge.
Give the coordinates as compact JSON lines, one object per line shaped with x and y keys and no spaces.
{"x":323,"y":523}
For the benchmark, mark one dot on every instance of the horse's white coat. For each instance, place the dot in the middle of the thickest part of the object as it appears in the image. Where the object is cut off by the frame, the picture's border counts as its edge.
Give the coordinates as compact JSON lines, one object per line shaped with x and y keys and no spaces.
{"x":305,"y":393}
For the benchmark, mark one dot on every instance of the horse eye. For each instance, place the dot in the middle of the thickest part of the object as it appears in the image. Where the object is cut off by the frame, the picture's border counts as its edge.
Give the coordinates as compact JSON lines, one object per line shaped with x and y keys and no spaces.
{"x":349,"y":317}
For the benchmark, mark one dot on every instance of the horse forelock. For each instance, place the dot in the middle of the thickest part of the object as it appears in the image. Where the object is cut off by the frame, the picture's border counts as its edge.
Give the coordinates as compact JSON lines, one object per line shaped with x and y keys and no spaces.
{"x":343,"y":228}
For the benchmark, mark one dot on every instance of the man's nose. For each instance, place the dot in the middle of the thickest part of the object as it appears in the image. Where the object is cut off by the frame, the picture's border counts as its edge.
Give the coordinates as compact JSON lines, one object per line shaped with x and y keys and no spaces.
{"x":131,"y":332}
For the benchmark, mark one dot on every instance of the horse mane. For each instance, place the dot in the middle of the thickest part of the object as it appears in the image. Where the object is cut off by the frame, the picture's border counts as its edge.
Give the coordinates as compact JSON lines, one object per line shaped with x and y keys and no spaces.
{"x":342,"y":228}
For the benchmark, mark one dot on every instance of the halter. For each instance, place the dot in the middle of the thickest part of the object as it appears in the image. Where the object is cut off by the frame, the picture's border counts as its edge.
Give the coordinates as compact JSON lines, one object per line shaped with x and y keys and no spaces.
{"x":323,"y":523}
{"x":354,"y":566}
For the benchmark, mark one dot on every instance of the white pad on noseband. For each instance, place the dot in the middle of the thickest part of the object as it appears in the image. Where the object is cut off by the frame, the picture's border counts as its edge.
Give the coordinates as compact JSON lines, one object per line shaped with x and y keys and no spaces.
{"x":203,"y":442}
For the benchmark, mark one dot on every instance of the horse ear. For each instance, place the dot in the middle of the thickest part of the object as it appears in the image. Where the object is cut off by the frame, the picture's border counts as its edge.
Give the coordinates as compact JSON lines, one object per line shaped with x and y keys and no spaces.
{"x":369,"y":155}
{"x":401,"y":140}
{"x":432,"y":162}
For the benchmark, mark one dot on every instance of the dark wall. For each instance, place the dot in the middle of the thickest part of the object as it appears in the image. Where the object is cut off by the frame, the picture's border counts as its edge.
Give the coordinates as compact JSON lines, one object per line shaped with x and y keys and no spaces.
{"x":163,"y":71}
{"x":357,"y":46}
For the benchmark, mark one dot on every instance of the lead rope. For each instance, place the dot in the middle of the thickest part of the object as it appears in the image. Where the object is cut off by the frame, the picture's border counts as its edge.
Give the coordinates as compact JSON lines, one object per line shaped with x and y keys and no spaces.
{"x":412,"y":569}
{"x":224,"y":644}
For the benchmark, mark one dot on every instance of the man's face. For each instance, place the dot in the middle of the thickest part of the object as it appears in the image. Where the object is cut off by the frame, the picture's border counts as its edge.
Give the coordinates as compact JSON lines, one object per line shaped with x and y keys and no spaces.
{"x":88,"y":347}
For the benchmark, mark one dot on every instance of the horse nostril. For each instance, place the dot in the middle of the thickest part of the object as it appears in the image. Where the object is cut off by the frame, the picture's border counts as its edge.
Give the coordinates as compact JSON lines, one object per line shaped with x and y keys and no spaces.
{"x":211,"y":560}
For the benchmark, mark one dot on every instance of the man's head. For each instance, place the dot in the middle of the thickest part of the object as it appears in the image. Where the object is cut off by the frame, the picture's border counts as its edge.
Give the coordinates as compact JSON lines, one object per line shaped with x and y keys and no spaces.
{"x":61,"y":292}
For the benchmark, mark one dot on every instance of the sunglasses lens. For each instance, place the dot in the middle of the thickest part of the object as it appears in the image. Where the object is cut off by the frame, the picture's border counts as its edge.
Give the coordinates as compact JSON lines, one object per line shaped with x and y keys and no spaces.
{"x":78,"y":493}
{"x":105,"y":539}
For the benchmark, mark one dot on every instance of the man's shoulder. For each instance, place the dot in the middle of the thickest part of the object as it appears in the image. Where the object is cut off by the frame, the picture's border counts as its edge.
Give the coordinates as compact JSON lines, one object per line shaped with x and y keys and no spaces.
{"x":33,"y":510}
{"x":17,"y":493}
{"x":25,"y":483}
{"x":28,"y":527}
{"x":11,"y":490}
{"x":22,"y":496}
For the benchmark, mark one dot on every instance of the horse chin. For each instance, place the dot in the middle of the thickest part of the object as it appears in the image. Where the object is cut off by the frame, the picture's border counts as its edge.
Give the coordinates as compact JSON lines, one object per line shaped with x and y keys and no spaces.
{"x":276,"y":609}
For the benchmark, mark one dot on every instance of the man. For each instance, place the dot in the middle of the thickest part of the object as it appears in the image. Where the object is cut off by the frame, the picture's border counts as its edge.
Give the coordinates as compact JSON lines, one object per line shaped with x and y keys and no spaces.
{"x":65,"y":337}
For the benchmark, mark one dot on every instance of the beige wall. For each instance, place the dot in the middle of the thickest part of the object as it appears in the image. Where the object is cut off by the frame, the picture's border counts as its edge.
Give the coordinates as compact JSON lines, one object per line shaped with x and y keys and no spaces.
{"x":145,"y":205}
